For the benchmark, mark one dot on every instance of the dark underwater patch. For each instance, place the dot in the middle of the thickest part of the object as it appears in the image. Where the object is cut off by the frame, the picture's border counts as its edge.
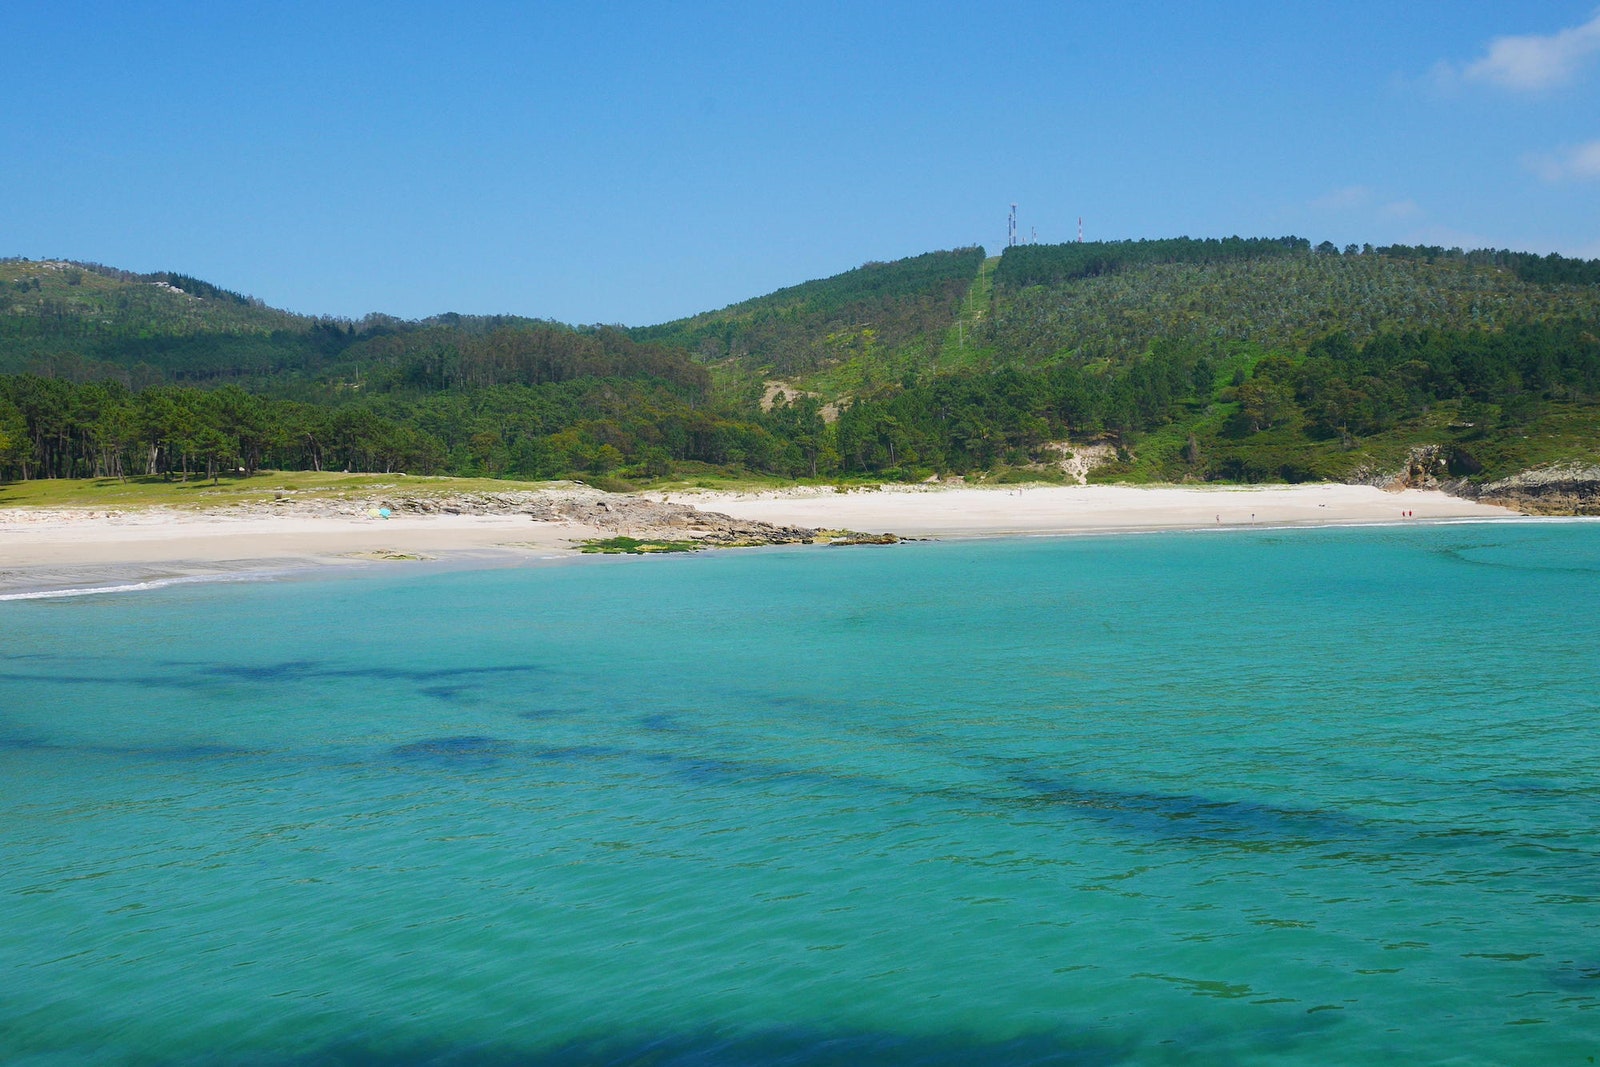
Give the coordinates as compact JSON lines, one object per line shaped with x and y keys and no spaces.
{"x":183,"y":752}
{"x":1582,"y":974}
{"x":702,"y":771}
{"x":195,"y":676}
{"x":176,"y":753}
{"x":272,"y":672}
{"x":716,"y":1047}
{"x":575,"y":753}
{"x":476,"y":751}
{"x":147,"y":681}
{"x":472,"y":751}
{"x":1178,"y":816}
{"x":1460,"y":553}
{"x":541,"y":714}
{"x":296,"y":670}
{"x":450,"y":694}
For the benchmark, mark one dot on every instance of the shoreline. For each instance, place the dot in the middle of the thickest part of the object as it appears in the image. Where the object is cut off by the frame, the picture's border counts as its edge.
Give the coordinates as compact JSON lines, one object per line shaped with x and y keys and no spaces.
{"x":75,"y":552}
{"x":946,"y":513}
{"x":67,"y":552}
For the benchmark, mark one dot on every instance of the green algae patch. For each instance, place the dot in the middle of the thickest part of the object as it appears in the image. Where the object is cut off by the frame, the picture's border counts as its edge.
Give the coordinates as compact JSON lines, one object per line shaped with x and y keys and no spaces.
{"x":851,"y":537}
{"x":635,"y":547}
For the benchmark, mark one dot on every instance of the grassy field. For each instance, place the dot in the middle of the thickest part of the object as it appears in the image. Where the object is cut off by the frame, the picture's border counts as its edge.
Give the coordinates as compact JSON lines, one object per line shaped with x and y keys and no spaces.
{"x":264,"y":485}
{"x":113,"y":493}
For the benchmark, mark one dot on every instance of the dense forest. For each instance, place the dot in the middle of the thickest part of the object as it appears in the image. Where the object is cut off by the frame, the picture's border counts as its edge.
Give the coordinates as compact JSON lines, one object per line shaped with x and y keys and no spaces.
{"x":1026,"y":265}
{"x":1234,"y":359}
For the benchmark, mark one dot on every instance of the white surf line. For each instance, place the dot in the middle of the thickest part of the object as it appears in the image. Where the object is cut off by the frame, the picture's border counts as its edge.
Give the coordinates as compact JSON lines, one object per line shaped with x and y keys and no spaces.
{"x":136,"y":587}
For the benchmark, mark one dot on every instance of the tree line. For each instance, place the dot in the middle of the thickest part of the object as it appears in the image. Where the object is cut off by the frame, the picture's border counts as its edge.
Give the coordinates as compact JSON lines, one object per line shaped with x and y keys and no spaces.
{"x":1281,"y":301}
{"x":647,"y":425}
{"x":1551,"y":269}
{"x":1025,"y":265}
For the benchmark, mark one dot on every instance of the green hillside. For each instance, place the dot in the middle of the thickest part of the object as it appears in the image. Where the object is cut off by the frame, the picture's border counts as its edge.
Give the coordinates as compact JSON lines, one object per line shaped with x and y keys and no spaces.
{"x":856,"y":330}
{"x":1271,"y":360}
{"x":85,"y":319}
{"x":1179,"y":360}
{"x":55,"y":298}
{"x":105,"y":372}
{"x":1115,"y":300}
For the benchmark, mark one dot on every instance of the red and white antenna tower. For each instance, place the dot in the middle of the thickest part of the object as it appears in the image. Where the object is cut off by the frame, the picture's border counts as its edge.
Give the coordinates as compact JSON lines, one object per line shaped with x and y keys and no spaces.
{"x":1011,"y":228}
{"x":1080,"y":229}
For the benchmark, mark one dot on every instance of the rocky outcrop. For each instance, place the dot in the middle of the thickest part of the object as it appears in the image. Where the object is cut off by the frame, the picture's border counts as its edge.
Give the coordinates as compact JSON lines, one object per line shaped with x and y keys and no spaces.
{"x":638,"y":516}
{"x":866,"y":539}
{"x":1563,"y":490}
{"x":632,"y":516}
{"x":1445,"y":467}
{"x":1570,"y":489}
{"x":310,"y":503}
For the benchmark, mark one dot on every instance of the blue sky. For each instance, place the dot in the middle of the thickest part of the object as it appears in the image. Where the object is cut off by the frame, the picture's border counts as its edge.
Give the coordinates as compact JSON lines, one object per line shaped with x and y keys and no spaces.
{"x":637,"y":162}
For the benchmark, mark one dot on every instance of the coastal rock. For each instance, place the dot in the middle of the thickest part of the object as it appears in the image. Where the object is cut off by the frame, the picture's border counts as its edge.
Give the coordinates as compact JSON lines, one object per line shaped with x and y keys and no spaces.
{"x":1444,"y":467}
{"x":636,"y":516}
{"x":866,"y":539}
{"x":1558,"y":490}
{"x":1562,"y":489}
{"x":633,"y":516}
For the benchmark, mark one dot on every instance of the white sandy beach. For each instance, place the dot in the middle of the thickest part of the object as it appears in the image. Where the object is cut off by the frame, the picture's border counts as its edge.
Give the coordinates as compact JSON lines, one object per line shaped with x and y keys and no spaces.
{"x":44,"y":549}
{"x":913,"y":511}
{"x":58,"y":538}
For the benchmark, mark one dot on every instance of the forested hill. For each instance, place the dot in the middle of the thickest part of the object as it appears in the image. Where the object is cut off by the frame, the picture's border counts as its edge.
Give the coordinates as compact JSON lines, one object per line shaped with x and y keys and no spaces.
{"x":881,"y":318}
{"x":86,"y":321}
{"x":1025,"y":265}
{"x":1113,"y":300}
{"x":89,"y":320}
{"x":1189,"y":360}
{"x":106,"y":372}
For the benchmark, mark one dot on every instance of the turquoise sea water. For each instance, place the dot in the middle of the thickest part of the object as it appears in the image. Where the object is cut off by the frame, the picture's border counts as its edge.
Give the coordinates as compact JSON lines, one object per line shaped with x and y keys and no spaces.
{"x":1272,"y":797}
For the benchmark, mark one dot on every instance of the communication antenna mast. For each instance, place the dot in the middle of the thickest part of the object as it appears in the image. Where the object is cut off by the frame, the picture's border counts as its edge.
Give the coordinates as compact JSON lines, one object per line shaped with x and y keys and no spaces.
{"x":1033,"y":235}
{"x":1080,"y":229}
{"x":1011,"y":228}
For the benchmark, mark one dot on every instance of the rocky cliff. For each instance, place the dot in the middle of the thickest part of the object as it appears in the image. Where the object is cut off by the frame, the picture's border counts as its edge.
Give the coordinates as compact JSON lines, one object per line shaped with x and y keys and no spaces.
{"x":1572,"y":489}
{"x":1548,"y":491}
